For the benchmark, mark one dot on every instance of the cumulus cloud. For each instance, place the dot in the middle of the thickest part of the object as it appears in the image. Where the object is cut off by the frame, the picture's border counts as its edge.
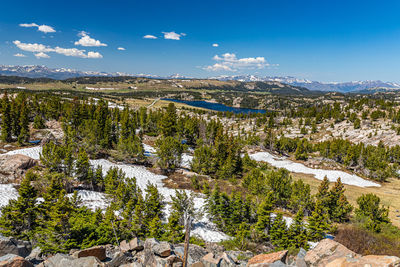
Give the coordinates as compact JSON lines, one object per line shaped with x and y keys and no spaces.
{"x":19,"y":55}
{"x":149,"y":36}
{"x":230,"y":62}
{"x":41,"y":50}
{"x":41,"y":55}
{"x":86,"y":40}
{"x":173,"y":35}
{"x":215,"y":45}
{"x":42,"y":28}
{"x":121,"y":48}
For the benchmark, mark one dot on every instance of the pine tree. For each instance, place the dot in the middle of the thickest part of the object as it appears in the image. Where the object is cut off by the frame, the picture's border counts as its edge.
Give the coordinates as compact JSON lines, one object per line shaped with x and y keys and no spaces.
{"x":156,"y":228}
{"x":339,"y":207}
{"x":82,"y":165}
{"x":278,"y":233}
{"x":297,"y":234}
{"x":18,"y":218}
{"x":168,"y":122}
{"x":153,"y":204}
{"x":264,"y":211}
{"x":323,"y":193}
{"x":300,"y":197}
{"x":6,"y":120}
{"x":38,"y":122}
{"x":318,"y":222}
{"x":23,"y":124}
{"x":169,"y":153}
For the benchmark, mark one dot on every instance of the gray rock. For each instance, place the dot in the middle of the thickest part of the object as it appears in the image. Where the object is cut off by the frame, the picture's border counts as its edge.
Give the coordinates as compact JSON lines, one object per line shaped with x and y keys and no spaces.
{"x":210,"y":260}
{"x":118,"y":259}
{"x":63,"y":260}
{"x":278,"y":264}
{"x":136,"y":244}
{"x":13,"y":167}
{"x":162,"y":249}
{"x":35,"y":256}
{"x":9,"y":245}
{"x":195,"y":253}
{"x":12,"y":260}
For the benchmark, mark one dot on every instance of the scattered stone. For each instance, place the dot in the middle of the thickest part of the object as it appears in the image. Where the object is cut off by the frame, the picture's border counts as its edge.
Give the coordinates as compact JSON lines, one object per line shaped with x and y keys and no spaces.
{"x":124,"y":246}
{"x":162,"y":249}
{"x":97,"y":251}
{"x":12,"y":260}
{"x":210,"y":260}
{"x":264,"y":259}
{"x":136,"y":244}
{"x":35,"y":256}
{"x":195,"y":253}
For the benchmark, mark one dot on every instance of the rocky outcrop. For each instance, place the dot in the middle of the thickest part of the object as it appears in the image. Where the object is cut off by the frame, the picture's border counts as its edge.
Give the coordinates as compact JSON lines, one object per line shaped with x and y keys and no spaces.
{"x":9,"y":245}
{"x":153,"y":253}
{"x":370,"y":260}
{"x":63,"y":260}
{"x":12,"y":260}
{"x":329,"y":253}
{"x":13,"y":167}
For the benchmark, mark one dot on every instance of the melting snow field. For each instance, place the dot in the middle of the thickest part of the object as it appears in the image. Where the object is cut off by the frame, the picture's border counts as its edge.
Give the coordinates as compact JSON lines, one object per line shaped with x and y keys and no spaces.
{"x":333,"y":175}
{"x":33,"y":152}
{"x":202,"y":228}
{"x":7,"y":192}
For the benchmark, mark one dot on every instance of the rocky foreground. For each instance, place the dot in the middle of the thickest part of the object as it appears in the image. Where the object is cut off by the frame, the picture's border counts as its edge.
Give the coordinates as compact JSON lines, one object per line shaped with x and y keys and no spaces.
{"x":151,"y":252}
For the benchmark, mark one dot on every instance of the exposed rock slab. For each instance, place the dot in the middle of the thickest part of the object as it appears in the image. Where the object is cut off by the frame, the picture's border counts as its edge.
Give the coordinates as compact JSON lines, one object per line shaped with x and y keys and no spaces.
{"x":262,"y":260}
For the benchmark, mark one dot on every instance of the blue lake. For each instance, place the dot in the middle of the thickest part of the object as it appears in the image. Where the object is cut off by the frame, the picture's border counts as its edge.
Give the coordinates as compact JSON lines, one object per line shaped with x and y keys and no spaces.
{"x":216,"y":106}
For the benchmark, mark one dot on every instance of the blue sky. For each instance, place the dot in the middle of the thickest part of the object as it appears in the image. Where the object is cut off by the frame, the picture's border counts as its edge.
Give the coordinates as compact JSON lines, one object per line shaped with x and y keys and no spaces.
{"x":319,"y":40}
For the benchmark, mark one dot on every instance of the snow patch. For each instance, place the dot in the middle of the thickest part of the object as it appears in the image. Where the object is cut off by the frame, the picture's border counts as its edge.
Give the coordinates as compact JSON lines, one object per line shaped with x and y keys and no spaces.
{"x":332,"y":175}
{"x":7,"y":192}
{"x":33,"y":152}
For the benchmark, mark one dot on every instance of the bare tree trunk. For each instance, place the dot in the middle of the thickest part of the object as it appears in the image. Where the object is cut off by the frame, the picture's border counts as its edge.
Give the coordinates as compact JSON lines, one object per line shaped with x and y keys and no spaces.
{"x":187,"y":237}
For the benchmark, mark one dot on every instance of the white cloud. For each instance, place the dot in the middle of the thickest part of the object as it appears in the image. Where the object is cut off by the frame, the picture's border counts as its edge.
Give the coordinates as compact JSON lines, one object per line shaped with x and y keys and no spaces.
{"x":86,"y":40}
{"x":41,"y":55}
{"x":42,"y":28}
{"x":229,"y":62}
{"x":27,"y":25}
{"x":173,"y":35}
{"x":32,"y":47}
{"x":19,"y":55}
{"x":121,"y":48}
{"x":41,"y":49}
{"x":94,"y":55}
{"x":46,"y":28}
{"x":149,"y":36}
{"x":215,"y":45}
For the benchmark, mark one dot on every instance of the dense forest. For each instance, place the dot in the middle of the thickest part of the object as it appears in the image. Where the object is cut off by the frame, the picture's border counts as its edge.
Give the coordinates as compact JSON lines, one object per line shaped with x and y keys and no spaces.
{"x":253,"y":210}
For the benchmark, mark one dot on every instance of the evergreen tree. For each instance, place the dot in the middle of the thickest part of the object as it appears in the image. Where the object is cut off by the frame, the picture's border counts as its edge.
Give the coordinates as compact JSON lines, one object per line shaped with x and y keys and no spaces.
{"x":371,"y":213}
{"x":297,"y":234}
{"x":18,"y":218}
{"x":82,"y":166}
{"x":23,"y":124}
{"x":339,"y":207}
{"x":169,"y":153}
{"x":168,"y":122}
{"x":278,"y":233}
{"x":264,"y":212}
{"x":6,"y":128}
{"x":153,"y":205}
{"x":301,"y":197}
{"x":318,"y":222}
{"x":38,"y":122}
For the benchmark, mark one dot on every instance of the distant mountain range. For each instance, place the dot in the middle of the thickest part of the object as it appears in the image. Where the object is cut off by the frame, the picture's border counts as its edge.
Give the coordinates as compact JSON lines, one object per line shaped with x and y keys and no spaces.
{"x":37,"y":71}
{"x":345,"y":87}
